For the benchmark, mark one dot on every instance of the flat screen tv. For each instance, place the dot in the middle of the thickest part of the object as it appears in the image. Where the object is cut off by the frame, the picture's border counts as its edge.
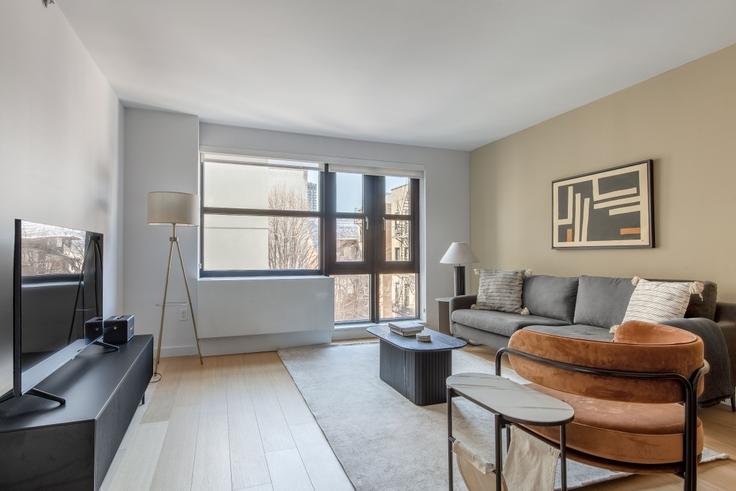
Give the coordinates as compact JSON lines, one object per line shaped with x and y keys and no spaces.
{"x":57,"y":287}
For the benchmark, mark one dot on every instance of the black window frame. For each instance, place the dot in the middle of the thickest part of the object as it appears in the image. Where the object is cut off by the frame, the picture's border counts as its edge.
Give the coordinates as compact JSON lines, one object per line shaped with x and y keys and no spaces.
{"x":235,"y":273}
{"x":373,"y":215}
{"x":374,"y":262}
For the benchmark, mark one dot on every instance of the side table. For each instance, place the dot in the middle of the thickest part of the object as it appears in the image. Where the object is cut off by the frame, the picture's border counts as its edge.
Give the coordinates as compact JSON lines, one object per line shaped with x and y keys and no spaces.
{"x":510,"y":403}
{"x":443,"y":306}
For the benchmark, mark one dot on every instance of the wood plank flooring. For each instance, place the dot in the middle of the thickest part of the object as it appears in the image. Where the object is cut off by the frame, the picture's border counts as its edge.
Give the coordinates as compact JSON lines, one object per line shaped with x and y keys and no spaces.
{"x":240,"y":423}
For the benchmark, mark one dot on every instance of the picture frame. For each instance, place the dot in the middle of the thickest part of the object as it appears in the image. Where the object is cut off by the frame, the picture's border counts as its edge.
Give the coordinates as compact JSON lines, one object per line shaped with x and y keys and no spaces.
{"x":611,"y":208}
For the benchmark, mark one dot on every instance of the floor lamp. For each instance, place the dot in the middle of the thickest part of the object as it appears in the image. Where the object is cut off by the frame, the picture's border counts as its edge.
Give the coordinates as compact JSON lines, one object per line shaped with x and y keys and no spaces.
{"x":173,"y":208}
{"x":459,"y":254}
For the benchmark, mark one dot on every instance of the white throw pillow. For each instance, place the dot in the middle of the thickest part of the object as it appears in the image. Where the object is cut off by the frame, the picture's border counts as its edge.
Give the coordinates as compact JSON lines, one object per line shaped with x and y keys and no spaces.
{"x":658,"y":301}
{"x":501,"y":291}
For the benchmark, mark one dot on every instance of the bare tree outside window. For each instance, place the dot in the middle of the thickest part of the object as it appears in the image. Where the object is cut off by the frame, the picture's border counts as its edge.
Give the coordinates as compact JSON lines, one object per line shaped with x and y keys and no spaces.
{"x":352,"y":297}
{"x":292,"y":241}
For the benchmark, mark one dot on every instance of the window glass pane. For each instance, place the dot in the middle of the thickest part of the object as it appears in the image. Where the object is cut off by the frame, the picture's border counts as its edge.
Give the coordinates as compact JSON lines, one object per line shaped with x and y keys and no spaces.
{"x":349,"y":239}
{"x":260,"y":243}
{"x":398,"y":196}
{"x":259,"y":187}
{"x":397,"y":296}
{"x":398,"y":240}
{"x":349,"y":190}
{"x":352,"y":297}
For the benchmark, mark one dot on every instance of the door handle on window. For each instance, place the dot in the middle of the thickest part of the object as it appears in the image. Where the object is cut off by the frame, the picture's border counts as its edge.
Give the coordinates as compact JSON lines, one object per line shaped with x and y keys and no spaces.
{"x":365,"y":220}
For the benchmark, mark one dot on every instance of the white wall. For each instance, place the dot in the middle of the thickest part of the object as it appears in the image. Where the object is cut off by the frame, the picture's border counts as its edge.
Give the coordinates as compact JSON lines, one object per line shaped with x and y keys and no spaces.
{"x":60,"y":128}
{"x":161,"y":154}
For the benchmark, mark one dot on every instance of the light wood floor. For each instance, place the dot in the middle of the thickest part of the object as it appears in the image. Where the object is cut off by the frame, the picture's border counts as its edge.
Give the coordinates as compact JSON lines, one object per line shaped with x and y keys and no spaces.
{"x":240,"y":423}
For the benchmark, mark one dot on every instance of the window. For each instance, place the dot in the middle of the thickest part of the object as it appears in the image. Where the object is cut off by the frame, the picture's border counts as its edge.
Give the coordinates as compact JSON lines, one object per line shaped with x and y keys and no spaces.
{"x":371,"y":246}
{"x":260,"y":216}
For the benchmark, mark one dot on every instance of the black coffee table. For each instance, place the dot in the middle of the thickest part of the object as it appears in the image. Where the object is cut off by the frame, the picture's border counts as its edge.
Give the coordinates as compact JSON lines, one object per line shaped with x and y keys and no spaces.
{"x":415,"y":369}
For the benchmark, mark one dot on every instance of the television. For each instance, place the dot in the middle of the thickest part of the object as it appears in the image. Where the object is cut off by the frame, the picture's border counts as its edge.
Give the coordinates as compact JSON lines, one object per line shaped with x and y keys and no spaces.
{"x":57,"y":288}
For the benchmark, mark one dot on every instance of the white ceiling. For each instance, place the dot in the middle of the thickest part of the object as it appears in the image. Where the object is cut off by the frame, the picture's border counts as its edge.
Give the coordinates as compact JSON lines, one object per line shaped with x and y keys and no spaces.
{"x":442,"y":73}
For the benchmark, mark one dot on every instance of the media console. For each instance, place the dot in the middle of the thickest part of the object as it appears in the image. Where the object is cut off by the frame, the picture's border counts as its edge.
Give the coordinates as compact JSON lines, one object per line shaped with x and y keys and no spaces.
{"x":45,"y":445}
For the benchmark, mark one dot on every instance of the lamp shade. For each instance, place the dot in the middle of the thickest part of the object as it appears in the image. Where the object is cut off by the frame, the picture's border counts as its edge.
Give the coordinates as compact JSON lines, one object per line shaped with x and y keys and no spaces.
{"x":170,"y":207}
{"x":459,"y":253}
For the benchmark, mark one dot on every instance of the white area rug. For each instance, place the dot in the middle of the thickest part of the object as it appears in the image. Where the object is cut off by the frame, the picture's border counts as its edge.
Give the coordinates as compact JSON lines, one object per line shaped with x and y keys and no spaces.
{"x":385,"y":442}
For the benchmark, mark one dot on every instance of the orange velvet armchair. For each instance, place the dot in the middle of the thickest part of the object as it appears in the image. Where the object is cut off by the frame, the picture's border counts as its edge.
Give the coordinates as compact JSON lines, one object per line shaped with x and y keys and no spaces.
{"x":635,"y":398}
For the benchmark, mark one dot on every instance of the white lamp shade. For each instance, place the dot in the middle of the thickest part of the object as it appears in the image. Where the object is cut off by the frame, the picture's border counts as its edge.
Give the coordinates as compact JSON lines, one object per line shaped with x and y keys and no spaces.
{"x":170,"y":207}
{"x":459,"y":253}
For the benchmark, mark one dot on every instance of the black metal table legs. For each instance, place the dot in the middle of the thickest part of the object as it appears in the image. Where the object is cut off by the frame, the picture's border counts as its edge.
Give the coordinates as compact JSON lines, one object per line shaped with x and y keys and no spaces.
{"x":500,"y":424}
{"x":563,"y":458}
{"x":450,"y":438}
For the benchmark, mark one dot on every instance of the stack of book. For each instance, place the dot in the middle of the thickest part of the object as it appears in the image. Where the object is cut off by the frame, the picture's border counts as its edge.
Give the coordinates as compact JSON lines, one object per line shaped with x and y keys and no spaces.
{"x":407,"y":328}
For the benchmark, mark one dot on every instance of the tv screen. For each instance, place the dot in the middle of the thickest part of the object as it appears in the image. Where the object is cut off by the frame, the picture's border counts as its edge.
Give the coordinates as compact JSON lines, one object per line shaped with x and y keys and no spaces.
{"x":58,"y":287}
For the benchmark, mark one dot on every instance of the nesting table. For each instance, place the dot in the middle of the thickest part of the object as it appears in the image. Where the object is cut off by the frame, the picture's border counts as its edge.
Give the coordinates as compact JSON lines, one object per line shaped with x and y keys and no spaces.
{"x":510,"y":403}
{"x":417,"y":370}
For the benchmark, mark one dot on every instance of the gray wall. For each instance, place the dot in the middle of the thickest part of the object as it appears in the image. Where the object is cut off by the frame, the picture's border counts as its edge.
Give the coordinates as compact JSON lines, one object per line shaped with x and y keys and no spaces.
{"x":60,"y":127}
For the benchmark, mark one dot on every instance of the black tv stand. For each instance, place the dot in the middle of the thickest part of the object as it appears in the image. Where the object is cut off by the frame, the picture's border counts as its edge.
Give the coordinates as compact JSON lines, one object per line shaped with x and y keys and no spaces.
{"x":108,"y":347}
{"x":71,"y":446}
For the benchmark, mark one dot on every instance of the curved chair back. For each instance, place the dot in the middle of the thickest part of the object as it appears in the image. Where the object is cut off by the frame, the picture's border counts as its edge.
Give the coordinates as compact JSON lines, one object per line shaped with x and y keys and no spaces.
{"x":647,"y":363}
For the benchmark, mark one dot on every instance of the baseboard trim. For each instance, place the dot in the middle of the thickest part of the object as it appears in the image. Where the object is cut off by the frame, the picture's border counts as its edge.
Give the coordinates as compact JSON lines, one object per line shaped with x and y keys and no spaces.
{"x":250,"y":344}
{"x":351,"y":332}
{"x":169,"y":351}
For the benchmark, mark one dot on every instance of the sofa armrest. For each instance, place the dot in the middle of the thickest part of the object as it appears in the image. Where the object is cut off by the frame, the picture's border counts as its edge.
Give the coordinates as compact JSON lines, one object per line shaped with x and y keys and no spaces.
{"x":728,"y":328}
{"x":719,"y":383}
{"x":462,"y":302}
{"x":726,"y":319}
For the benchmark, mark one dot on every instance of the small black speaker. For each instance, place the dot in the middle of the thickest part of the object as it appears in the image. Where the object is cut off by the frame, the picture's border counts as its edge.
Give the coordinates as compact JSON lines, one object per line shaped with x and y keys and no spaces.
{"x":93,"y":329}
{"x":119,"y":329}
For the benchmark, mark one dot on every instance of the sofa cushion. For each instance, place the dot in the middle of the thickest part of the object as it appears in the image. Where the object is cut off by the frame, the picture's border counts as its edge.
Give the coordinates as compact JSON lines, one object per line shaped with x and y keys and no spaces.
{"x":577,"y":331}
{"x":551,"y":296}
{"x":602,"y":301}
{"x":503,"y":323}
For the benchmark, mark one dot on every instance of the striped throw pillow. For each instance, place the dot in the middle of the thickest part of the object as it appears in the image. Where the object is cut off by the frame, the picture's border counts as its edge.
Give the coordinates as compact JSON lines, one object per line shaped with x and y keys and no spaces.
{"x":500,"y":290}
{"x":658,"y":301}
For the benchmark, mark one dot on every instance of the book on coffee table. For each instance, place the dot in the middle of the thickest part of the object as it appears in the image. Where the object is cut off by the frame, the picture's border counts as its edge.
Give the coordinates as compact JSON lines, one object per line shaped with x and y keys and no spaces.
{"x":406,"y":328}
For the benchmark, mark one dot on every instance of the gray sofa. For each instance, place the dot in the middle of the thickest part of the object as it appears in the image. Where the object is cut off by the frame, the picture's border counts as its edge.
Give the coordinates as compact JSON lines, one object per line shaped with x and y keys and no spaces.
{"x":587,"y":306}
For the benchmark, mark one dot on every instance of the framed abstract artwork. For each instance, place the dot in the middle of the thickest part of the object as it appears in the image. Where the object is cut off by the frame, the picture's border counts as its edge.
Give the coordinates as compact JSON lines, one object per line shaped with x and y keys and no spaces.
{"x":611,"y":208}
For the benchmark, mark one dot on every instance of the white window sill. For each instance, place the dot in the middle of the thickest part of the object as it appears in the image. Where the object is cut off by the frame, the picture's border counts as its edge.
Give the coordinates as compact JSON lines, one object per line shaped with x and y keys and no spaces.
{"x":206,"y":279}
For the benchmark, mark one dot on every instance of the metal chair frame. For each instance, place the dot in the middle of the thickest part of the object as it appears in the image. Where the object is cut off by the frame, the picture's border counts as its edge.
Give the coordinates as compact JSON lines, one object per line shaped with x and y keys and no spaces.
{"x":689,"y":398}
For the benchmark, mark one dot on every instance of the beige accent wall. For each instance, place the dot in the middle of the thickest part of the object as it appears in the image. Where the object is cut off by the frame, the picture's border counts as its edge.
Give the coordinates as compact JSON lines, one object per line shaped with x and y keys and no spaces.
{"x":684,"y":119}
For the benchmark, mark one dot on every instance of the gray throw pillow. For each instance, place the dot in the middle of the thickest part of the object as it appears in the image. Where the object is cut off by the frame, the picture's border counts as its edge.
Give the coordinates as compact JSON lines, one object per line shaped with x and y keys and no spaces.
{"x":602,"y":301}
{"x":551,"y":296}
{"x":500,"y":290}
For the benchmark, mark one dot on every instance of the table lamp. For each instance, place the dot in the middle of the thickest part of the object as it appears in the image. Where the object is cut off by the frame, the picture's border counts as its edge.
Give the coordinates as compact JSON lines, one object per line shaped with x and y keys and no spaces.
{"x":173,"y":208}
{"x":459,"y":254}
